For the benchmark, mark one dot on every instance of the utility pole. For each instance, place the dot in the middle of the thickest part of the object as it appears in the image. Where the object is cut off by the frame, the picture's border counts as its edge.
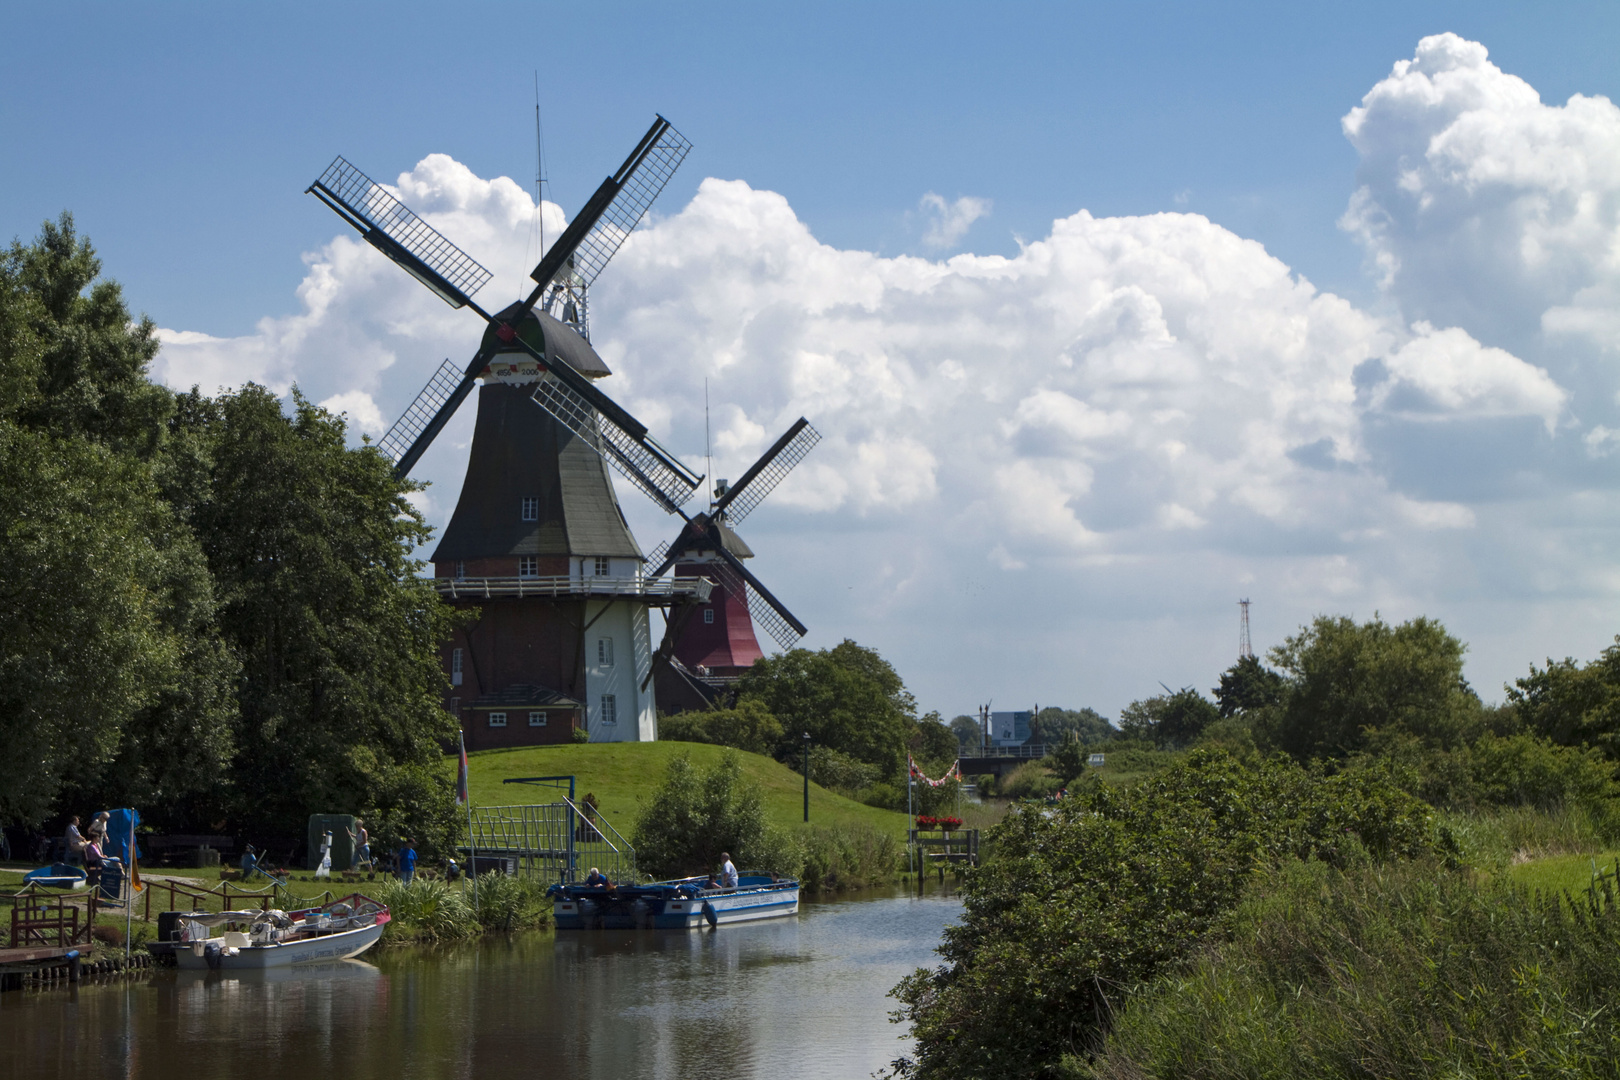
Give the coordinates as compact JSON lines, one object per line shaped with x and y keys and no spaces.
{"x":1245,"y":649}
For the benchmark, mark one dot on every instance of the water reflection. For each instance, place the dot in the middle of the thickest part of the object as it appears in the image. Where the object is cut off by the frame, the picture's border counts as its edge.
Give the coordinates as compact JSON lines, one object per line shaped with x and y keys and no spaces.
{"x":798,"y":997}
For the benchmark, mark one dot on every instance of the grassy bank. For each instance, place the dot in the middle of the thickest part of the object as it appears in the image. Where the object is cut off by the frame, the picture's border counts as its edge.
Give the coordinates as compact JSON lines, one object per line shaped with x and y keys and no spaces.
{"x":622,"y":774}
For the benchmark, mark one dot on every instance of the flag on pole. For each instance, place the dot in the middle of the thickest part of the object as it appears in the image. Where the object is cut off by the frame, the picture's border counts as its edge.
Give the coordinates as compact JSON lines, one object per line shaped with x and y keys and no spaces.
{"x":461,"y":777}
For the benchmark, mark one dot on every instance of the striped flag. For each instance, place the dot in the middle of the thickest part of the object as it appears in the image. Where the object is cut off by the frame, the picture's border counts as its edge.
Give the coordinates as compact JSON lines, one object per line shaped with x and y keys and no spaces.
{"x":461,"y":777}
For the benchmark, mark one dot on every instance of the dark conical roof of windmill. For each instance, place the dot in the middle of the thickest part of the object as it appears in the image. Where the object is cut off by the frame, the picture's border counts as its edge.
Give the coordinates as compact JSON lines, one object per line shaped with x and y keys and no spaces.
{"x":690,"y":541}
{"x":552,"y":338}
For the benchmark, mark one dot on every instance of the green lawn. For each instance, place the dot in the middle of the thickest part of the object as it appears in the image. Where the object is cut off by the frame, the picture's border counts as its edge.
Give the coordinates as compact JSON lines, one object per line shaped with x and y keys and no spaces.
{"x":621,"y":775}
{"x":1561,"y":873}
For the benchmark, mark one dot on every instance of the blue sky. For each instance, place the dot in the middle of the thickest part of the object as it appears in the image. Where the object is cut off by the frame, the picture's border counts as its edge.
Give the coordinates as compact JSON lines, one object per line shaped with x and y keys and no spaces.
{"x":182,"y":137}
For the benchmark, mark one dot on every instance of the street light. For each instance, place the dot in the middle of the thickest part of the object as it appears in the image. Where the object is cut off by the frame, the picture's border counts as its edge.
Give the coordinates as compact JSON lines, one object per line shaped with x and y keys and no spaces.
{"x":807,"y":776}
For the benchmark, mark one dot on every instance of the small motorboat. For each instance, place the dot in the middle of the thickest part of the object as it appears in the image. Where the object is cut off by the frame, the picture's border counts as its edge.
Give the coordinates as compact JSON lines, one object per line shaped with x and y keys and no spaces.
{"x":58,"y":876}
{"x":337,"y":931}
{"x":682,"y":904}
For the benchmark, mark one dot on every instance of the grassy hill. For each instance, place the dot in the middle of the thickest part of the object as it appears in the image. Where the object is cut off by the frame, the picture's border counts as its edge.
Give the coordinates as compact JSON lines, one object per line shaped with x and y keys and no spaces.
{"x":622,"y":774}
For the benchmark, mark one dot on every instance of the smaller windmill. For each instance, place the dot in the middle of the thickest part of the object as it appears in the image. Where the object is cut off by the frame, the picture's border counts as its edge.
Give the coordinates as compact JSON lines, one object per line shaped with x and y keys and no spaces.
{"x":724,"y":643}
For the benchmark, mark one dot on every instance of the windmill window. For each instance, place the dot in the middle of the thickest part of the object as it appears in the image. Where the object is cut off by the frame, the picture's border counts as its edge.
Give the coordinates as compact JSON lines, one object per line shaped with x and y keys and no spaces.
{"x":604,"y":651}
{"x":455,"y":706}
{"x":537,"y":719}
{"x":610,"y":709}
{"x":455,"y":667}
{"x":531,"y":508}
{"x":461,"y":570}
{"x":708,"y":616}
{"x":497,"y":719}
{"x":528,"y":566}
{"x":602,"y":567}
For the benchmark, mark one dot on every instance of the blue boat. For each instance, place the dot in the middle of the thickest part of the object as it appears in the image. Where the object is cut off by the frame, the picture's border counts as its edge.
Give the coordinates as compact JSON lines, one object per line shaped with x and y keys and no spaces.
{"x":683,"y":904}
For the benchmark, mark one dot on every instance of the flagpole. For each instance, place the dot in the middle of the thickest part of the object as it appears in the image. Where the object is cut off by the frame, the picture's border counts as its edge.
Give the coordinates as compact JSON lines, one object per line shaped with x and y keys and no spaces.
{"x":472,"y":844}
{"x":129,"y":885}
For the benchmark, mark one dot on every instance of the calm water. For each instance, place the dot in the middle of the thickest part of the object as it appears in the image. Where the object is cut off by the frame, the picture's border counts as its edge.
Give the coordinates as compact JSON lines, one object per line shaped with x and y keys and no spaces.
{"x":797,"y":998}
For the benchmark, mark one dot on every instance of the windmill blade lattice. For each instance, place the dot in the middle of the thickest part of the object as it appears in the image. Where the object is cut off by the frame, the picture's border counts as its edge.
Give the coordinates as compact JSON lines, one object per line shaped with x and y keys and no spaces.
{"x":638,"y":189}
{"x":771,"y":469}
{"x":760,"y":610}
{"x":415,"y":419}
{"x":632,"y":456}
{"x":391,"y":227}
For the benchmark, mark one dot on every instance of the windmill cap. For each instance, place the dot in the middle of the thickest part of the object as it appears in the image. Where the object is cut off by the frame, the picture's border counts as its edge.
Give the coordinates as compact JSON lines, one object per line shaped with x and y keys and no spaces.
{"x":549,"y":337}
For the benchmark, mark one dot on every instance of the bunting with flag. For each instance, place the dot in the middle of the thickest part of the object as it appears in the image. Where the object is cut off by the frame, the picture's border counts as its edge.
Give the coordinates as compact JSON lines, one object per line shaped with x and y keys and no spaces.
{"x":953,"y":773}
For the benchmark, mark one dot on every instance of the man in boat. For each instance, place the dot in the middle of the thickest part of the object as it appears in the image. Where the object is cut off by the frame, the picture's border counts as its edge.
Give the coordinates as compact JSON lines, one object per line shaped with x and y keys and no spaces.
{"x":728,"y":872}
{"x":597,"y":879}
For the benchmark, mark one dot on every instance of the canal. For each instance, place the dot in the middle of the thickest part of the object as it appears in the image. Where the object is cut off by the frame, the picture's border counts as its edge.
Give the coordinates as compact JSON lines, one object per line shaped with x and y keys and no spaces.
{"x":802,"y":998}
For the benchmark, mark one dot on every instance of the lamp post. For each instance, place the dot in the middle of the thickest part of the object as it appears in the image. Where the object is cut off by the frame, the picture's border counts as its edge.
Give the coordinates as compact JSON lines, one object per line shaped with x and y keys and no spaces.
{"x":807,"y":776}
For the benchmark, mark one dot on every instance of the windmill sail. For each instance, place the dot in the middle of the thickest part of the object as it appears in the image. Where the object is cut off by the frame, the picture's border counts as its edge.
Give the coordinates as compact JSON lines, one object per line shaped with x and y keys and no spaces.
{"x":641,"y":460}
{"x":771,"y":469}
{"x":393,"y":229}
{"x":764,"y":609}
{"x":415,"y":419}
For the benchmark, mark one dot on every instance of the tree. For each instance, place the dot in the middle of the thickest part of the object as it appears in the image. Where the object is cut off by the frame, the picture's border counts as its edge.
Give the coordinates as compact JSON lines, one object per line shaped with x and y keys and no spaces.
{"x":106,"y":574}
{"x":694,"y":816}
{"x":933,"y":744}
{"x":1052,"y":724}
{"x":338,"y":637}
{"x":1140,"y":719}
{"x":969,"y":733}
{"x":847,"y":697}
{"x":1068,"y":761}
{"x":1247,"y":686}
{"x":1185,"y":715}
{"x":747,"y":726}
{"x":1347,"y":684}
{"x":1574,"y":705}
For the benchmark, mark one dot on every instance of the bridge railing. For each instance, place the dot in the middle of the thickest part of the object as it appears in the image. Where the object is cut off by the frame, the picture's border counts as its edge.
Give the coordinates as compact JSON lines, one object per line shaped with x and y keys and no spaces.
{"x":1026,"y":750}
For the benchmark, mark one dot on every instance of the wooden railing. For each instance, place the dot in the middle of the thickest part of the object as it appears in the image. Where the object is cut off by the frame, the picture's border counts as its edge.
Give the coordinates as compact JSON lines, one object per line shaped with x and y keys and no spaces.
{"x":35,"y":916}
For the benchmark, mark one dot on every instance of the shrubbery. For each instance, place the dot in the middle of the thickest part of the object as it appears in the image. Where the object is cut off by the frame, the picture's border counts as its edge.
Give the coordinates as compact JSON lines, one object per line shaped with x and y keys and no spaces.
{"x":694,"y":816}
{"x":1393,"y":971}
{"x":1086,"y":902}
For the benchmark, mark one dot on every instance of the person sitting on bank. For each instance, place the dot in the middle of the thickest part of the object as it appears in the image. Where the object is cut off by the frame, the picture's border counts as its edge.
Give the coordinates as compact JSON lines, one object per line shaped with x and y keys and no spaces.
{"x":597,"y":880}
{"x":728,"y":872}
{"x":250,"y":862}
{"x":93,"y":862}
{"x":73,"y":843}
{"x":407,"y":861}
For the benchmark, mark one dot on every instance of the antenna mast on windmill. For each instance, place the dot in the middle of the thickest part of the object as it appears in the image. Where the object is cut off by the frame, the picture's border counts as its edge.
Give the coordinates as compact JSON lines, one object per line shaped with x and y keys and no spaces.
{"x":553,"y":568}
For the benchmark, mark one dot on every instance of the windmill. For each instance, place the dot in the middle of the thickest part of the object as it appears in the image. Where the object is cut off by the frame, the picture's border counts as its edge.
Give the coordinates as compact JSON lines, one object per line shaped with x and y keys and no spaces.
{"x":537,"y":540}
{"x":724,"y":644}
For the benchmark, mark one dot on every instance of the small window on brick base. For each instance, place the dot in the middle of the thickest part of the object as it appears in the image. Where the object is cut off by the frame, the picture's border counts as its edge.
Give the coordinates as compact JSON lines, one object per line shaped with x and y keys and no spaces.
{"x":497,"y":719}
{"x":537,"y":719}
{"x":708,"y":615}
{"x":528,"y":566}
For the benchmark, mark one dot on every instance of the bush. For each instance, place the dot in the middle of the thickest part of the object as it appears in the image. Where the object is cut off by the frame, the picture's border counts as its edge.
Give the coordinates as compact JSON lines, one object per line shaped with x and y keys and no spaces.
{"x":837,"y":771}
{"x":1029,"y":781}
{"x":694,"y":816}
{"x":427,"y":910}
{"x":504,"y":902}
{"x":1404,"y":970}
{"x":847,"y":857}
{"x":749,"y":726}
{"x":1086,"y":901}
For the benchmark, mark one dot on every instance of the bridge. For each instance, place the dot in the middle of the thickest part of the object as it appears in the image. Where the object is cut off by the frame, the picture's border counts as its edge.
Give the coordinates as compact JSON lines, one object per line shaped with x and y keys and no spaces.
{"x":999,"y":759}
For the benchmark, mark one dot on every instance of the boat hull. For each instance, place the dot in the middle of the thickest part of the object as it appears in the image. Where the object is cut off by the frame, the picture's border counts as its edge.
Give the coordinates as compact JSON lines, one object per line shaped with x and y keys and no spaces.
{"x":343,"y":945}
{"x":672,"y":905}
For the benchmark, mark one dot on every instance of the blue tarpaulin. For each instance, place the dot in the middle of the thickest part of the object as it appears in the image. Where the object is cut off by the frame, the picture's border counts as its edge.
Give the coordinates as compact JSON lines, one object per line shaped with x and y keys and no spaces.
{"x":120,"y":825}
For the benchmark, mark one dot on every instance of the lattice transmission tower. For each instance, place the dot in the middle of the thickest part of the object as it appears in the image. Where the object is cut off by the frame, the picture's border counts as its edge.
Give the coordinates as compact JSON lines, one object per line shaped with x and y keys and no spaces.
{"x":1245,"y":647}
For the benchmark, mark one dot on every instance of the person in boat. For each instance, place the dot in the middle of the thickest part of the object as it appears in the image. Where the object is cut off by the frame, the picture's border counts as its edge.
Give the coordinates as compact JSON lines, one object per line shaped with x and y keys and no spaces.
{"x":597,"y":880}
{"x":73,"y":843}
{"x":728,"y":872}
{"x":406,"y":860}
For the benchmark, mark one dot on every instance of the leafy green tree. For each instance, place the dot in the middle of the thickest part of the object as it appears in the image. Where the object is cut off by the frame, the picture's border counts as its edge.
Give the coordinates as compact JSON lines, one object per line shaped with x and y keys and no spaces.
{"x":1349,"y":684}
{"x":1051,"y":725}
{"x":694,"y":816}
{"x":969,"y":734}
{"x":1572,"y":704}
{"x":338,"y":637}
{"x":847,"y":697}
{"x":1247,"y":686}
{"x":932,"y":744}
{"x":1068,"y":761}
{"x":1086,"y":902}
{"x":1185,"y":716}
{"x":1140,"y":719}
{"x":100,"y":557}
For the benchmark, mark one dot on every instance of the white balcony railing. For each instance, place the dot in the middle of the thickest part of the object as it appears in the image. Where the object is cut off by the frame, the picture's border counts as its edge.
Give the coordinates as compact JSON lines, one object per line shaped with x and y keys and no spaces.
{"x":518,"y":588}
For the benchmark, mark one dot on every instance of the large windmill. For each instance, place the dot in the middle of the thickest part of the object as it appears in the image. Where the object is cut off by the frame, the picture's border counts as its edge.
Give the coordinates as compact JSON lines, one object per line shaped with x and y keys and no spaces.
{"x":712,"y":643}
{"x":537,"y":541}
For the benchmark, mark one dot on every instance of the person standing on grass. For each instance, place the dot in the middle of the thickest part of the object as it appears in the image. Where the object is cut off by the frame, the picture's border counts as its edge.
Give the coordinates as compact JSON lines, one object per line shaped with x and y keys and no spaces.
{"x":407,"y":861}
{"x":360,"y":843}
{"x":73,"y":843}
